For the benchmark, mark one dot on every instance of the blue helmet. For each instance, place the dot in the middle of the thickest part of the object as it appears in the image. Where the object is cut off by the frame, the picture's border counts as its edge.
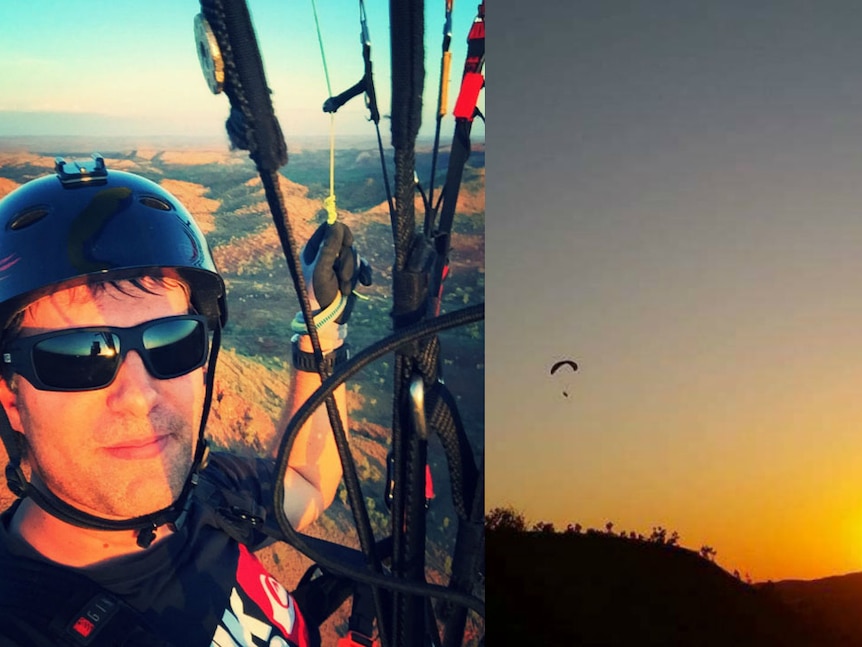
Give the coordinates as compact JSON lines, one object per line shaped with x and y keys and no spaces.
{"x":86,"y":224}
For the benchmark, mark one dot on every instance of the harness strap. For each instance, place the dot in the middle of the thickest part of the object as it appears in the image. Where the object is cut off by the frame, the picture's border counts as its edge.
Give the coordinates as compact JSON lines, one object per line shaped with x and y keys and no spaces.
{"x":467,"y":564}
{"x":322,"y":592}
{"x":42,"y":604}
{"x":472,"y":83}
{"x":446,"y":422}
{"x":472,"y":80}
{"x":365,"y":84}
{"x":252,"y":125}
{"x":360,"y":627}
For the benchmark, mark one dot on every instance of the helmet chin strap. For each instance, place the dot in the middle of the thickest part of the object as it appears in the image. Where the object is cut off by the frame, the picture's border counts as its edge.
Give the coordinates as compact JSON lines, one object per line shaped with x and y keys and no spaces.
{"x":145,"y":524}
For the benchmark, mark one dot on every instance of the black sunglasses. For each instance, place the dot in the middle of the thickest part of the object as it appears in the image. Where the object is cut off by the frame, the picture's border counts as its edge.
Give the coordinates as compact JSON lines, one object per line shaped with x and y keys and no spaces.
{"x":84,"y":359}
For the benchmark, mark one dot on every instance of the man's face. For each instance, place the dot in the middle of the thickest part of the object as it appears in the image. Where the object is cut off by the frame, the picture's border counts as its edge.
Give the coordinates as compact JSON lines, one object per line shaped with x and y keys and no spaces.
{"x":124,"y":450}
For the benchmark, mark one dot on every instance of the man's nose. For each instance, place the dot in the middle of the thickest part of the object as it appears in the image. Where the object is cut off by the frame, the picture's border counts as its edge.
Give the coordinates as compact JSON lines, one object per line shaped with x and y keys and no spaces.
{"x":133,"y":390}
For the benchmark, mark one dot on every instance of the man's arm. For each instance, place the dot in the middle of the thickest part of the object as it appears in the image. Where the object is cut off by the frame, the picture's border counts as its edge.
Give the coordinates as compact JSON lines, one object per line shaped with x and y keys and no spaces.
{"x":313,"y":466}
{"x":331,"y":268}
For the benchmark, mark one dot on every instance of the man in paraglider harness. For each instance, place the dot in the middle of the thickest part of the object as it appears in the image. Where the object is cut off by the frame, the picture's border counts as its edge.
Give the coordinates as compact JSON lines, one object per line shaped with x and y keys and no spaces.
{"x":128,"y":531}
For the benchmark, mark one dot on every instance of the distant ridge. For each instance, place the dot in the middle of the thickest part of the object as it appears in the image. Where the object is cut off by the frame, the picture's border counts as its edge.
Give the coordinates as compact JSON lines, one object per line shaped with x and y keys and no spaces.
{"x":603,"y":590}
{"x":834,"y":602}
{"x":216,"y":141}
{"x":46,"y":143}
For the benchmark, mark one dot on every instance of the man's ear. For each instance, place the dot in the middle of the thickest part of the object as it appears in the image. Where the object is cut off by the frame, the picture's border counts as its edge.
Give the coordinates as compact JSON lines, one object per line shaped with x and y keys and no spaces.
{"x":9,"y":400}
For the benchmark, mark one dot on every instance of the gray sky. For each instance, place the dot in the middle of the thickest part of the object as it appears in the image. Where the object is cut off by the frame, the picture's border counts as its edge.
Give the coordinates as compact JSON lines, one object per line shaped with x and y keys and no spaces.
{"x":674,"y":201}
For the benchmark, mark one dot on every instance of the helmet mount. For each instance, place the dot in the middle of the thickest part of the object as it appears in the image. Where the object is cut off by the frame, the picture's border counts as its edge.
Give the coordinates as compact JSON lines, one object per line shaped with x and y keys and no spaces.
{"x":78,"y":173}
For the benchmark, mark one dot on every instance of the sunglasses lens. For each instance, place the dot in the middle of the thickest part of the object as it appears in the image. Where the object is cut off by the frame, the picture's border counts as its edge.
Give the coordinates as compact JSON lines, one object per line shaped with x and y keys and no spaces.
{"x":175,"y":347}
{"x":78,"y":360}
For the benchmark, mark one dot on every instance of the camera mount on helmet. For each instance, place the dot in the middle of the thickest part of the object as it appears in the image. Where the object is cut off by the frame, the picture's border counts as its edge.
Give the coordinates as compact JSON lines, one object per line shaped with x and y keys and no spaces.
{"x":81,"y":172}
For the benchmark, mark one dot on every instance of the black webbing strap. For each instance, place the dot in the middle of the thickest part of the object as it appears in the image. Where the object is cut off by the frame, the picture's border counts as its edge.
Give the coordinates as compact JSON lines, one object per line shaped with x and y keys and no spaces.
{"x":42,"y":604}
{"x":408,"y":512}
{"x":360,"y":626}
{"x":366,"y":83}
{"x":467,"y":561}
{"x":321,"y":592}
{"x":467,"y":498}
{"x":252,"y":125}
{"x":445,"y":419}
{"x":332,"y":104}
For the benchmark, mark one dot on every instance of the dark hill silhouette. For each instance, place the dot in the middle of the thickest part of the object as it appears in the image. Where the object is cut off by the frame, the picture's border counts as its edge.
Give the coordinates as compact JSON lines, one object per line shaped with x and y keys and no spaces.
{"x":599,"y":589}
{"x":833,"y":602}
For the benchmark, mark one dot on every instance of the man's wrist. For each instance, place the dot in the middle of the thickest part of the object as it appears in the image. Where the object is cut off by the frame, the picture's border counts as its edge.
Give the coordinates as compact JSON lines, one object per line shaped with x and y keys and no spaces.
{"x":330,"y":338}
{"x":303,"y":360}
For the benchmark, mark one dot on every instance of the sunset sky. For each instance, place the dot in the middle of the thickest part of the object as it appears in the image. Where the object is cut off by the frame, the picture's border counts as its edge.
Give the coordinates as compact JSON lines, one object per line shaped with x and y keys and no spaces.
{"x":675,"y":202}
{"x":131,"y":68}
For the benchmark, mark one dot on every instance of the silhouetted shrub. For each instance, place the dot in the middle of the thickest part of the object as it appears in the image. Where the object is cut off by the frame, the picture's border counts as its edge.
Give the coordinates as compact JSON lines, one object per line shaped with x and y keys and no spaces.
{"x":542,"y":526}
{"x":505,"y":519}
{"x":659,"y":535}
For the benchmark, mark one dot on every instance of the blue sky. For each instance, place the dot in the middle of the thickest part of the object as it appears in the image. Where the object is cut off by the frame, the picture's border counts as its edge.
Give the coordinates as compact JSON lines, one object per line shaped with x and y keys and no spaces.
{"x":131,"y":67}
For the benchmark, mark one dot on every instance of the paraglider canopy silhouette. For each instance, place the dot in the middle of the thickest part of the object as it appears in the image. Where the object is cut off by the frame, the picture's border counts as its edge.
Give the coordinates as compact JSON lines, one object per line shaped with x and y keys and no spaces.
{"x":561,"y":363}
{"x":565,"y":363}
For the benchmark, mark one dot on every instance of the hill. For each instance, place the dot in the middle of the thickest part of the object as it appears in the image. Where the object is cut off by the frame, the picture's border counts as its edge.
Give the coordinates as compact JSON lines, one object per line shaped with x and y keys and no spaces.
{"x":832,"y":602}
{"x":598,"y":589}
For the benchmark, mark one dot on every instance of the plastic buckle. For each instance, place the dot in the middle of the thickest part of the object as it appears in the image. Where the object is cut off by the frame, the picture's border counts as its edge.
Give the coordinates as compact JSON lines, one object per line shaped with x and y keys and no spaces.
{"x":356,"y":639}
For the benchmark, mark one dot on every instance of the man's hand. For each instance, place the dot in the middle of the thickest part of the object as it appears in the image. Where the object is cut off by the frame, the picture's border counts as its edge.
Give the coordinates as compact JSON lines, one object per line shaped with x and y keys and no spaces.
{"x":331,"y":269}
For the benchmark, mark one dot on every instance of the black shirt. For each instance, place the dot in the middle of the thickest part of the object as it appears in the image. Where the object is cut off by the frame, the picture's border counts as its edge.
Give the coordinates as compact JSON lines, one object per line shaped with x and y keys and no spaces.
{"x":199,"y":586}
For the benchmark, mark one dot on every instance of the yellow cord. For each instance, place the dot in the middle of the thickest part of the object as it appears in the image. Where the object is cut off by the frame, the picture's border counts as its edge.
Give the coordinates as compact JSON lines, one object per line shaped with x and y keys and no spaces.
{"x":329,"y":201}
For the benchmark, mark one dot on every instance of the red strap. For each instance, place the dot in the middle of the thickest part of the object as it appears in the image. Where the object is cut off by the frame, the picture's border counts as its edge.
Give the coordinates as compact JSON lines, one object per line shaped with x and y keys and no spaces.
{"x":356,"y":639}
{"x":471,"y":85}
{"x":477,"y":30}
{"x":429,"y":484}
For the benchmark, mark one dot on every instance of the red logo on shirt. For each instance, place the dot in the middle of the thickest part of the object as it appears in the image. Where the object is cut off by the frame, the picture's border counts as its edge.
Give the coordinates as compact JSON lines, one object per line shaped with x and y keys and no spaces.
{"x":261,"y":611}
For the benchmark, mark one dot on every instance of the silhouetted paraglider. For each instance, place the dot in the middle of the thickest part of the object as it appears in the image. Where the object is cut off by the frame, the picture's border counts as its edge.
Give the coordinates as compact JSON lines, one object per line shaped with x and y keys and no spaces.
{"x":564,"y":364}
